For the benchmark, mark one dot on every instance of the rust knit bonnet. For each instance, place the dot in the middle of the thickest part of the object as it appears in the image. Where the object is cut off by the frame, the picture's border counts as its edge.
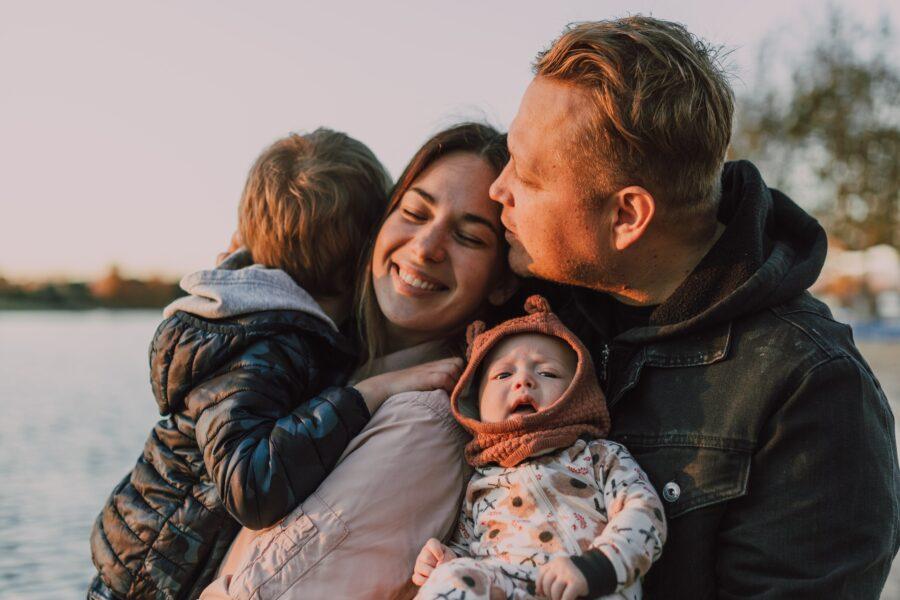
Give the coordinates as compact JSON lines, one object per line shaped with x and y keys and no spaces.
{"x":580,"y":410}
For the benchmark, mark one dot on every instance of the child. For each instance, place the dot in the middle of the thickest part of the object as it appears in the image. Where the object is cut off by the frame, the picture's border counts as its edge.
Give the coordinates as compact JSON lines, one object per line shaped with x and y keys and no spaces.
{"x":552,"y":509}
{"x":239,"y":369}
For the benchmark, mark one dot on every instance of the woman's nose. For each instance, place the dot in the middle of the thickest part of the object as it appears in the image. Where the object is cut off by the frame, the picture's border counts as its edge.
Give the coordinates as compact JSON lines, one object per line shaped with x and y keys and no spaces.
{"x":428,"y":245}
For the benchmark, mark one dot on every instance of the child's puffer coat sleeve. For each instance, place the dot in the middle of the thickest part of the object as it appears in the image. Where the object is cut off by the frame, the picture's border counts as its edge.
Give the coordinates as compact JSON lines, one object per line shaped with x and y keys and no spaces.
{"x":265,"y":458}
{"x":248,"y":390}
{"x":267,"y":439}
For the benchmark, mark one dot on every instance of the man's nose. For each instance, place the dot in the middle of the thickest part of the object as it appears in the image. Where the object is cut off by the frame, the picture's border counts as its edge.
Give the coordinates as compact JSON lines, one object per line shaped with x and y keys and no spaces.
{"x":428,"y":245}
{"x":499,"y":191}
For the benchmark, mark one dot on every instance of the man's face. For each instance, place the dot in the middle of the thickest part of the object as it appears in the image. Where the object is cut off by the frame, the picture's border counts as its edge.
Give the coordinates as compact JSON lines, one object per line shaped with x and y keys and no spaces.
{"x":557,"y":230}
{"x":524,"y":374}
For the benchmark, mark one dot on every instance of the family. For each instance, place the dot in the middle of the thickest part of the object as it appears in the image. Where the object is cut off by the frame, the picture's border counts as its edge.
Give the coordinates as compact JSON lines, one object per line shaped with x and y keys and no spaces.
{"x":575,"y":361}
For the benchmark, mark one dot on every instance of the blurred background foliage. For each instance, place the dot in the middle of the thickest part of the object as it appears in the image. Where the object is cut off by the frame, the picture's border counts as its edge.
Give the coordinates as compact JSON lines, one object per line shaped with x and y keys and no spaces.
{"x":830,"y":133}
{"x":825,"y":128}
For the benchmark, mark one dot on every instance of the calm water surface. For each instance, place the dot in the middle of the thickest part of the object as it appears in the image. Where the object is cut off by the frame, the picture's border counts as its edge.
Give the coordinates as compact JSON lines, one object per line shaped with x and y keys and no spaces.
{"x":76,"y":408}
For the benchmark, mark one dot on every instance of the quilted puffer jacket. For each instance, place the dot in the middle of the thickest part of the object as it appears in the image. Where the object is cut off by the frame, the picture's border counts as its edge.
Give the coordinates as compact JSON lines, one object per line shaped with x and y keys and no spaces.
{"x":249,"y":430}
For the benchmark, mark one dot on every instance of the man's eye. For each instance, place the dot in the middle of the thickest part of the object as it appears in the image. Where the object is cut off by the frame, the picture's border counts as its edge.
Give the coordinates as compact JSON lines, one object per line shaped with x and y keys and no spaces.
{"x":413,"y":215}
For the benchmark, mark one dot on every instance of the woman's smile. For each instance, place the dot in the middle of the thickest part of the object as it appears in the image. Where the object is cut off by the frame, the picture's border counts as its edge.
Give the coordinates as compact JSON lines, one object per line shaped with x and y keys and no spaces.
{"x":408,"y":280}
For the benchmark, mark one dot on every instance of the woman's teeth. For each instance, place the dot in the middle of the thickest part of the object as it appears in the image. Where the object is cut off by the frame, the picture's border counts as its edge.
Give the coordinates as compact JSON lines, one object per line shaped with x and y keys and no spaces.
{"x":415,"y":282}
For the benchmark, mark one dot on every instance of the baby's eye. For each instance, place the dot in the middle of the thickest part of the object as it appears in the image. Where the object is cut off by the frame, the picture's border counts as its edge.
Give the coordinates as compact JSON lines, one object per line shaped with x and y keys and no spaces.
{"x":549,"y":374}
{"x":502,"y":375}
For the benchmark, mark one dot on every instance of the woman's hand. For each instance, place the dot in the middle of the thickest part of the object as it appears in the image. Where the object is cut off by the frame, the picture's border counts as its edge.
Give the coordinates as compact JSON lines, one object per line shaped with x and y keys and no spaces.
{"x":433,"y":554}
{"x":560,"y":579}
{"x":435,"y":375}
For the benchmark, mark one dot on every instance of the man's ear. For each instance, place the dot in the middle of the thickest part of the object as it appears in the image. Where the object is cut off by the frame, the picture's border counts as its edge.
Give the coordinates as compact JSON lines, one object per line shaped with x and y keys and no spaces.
{"x":509,"y":285}
{"x":634,"y":210}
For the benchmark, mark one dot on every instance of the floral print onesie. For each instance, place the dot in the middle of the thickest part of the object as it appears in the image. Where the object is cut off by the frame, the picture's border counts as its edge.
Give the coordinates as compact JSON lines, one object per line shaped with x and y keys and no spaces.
{"x":592,"y":495}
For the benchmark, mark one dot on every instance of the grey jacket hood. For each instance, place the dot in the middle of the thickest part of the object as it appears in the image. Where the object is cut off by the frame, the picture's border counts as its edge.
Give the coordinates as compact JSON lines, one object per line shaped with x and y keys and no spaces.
{"x":237,"y":287}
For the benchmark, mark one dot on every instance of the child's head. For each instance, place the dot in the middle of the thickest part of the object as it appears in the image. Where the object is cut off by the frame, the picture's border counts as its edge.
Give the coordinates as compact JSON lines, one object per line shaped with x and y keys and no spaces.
{"x":309,"y":206}
{"x":523,"y":374}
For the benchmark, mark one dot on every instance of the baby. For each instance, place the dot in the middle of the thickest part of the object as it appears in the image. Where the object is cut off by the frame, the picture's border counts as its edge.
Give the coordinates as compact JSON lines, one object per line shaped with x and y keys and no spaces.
{"x":553,"y":509}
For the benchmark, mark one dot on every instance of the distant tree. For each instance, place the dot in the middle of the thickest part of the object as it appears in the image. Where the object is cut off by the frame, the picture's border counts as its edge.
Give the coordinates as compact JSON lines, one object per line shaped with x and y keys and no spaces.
{"x":831,"y":133}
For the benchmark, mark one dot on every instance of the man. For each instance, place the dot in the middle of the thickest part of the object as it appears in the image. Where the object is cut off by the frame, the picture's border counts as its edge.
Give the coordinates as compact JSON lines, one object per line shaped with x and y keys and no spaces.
{"x":750,"y":408}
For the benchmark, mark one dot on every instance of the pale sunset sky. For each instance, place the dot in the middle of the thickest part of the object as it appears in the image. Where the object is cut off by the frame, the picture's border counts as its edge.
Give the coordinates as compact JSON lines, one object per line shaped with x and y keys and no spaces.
{"x":127,"y":128}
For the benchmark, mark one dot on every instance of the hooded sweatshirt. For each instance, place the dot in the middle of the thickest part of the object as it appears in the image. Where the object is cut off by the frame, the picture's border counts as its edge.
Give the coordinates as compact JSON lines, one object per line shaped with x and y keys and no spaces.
{"x":237,"y":287}
{"x":754,"y":414}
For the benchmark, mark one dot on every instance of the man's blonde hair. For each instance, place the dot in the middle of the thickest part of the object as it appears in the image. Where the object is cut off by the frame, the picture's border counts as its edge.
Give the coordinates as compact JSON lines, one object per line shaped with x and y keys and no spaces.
{"x":309,"y":207}
{"x":663,"y":109}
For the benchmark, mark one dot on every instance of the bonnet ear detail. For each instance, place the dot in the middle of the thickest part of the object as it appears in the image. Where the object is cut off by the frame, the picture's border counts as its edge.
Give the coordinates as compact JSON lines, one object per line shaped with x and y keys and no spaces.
{"x":536,"y":304}
{"x":474,"y":329}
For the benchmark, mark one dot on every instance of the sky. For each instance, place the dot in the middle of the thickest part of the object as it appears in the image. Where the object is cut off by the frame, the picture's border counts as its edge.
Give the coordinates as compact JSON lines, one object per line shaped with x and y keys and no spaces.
{"x":127,"y":129}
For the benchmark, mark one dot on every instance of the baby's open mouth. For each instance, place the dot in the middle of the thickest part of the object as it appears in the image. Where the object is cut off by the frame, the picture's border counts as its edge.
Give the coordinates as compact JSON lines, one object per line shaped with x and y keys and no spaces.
{"x":524,"y":406}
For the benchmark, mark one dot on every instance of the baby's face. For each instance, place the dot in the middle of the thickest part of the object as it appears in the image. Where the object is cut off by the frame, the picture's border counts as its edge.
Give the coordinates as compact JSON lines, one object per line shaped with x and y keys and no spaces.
{"x":524,"y":374}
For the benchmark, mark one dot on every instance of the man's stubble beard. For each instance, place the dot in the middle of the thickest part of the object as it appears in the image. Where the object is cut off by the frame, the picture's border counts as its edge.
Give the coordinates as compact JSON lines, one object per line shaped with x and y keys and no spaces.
{"x":602,"y":275}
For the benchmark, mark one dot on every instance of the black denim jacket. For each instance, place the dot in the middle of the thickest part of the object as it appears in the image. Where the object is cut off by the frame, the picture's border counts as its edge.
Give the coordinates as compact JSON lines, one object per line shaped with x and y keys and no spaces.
{"x":754,"y":415}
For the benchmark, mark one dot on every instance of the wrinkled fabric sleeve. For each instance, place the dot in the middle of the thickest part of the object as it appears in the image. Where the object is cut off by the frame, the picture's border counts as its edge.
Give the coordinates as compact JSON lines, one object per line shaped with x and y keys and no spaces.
{"x":636,"y":531}
{"x":833,"y":440}
{"x":265,"y":453}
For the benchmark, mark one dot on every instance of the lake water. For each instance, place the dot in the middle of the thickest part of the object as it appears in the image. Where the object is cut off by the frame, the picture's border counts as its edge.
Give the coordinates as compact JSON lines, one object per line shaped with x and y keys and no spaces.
{"x":76,"y":408}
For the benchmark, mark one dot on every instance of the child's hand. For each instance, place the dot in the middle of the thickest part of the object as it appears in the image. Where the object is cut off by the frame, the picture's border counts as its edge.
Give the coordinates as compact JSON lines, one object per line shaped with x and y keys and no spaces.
{"x":560,"y":579}
{"x":433,"y":554}
{"x":434,"y":375}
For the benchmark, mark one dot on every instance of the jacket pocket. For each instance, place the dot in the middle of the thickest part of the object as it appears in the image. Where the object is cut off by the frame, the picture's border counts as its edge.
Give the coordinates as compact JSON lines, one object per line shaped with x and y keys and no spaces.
{"x":287,"y":551}
{"x":691,"y":472}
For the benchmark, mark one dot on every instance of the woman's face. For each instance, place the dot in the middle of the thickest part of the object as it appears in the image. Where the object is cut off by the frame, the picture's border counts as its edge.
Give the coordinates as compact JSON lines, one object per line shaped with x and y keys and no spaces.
{"x":439,"y":254}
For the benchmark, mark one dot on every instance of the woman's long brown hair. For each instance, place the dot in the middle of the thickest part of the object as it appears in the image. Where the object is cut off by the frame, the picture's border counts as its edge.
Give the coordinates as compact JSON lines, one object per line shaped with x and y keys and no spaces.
{"x":476,"y":138}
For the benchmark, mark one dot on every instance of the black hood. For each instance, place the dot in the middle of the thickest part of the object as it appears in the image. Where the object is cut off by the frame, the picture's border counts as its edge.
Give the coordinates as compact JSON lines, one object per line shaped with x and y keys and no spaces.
{"x":771,"y":250}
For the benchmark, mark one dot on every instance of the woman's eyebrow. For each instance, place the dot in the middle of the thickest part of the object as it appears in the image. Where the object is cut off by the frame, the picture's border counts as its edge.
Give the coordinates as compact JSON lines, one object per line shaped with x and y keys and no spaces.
{"x":468,"y":217}
{"x":425,"y":195}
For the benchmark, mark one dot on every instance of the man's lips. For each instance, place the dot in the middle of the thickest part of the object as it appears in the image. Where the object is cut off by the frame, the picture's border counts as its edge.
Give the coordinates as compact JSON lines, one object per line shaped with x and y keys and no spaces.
{"x":510,"y":230}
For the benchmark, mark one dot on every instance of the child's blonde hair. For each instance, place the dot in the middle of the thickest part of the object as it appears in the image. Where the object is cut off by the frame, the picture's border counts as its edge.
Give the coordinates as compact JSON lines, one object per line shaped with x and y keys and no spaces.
{"x":309,"y":207}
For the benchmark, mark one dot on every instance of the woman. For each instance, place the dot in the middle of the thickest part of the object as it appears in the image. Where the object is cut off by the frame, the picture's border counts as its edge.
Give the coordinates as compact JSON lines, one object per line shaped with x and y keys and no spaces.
{"x":438,"y":261}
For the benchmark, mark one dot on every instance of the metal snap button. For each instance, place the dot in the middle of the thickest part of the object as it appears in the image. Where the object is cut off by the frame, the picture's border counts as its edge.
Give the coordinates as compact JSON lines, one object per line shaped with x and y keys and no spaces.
{"x":671,"y":491}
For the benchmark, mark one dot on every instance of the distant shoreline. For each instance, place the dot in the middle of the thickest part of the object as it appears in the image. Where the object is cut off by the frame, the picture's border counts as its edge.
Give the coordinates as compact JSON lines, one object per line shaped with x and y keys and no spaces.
{"x":79,"y":309}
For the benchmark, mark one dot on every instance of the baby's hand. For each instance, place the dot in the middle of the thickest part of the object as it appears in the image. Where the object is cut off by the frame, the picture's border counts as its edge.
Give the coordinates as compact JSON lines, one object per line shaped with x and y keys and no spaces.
{"x":433,"y":554}
{"x":560,"y":579}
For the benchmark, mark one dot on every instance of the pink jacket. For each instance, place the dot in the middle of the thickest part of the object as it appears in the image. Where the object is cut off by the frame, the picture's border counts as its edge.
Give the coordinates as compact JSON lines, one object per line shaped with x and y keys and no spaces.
{"x":398,"y":483}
